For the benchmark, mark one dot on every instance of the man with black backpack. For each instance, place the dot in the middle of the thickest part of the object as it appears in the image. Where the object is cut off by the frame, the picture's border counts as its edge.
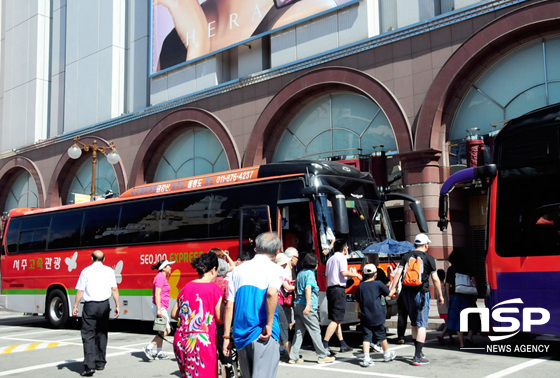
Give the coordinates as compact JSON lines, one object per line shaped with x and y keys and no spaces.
{"x":415,"y":269}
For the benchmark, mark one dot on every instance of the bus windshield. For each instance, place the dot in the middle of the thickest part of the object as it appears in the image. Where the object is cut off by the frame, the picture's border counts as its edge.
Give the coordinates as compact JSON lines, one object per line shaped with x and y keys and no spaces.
{"x":367,"y":216}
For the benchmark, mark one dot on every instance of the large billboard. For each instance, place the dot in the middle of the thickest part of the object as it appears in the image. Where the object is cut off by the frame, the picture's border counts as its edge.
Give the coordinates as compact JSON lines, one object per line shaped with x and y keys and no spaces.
{"x":183,"y":30}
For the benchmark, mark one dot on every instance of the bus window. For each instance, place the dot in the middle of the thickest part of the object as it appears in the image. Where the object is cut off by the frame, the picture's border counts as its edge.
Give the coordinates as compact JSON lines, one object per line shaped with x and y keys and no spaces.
{"x":296,"y":226}
{"x":254,"y":220}
{"x":185,"y":217}
{"x":224,"y":215}
{"x":139,"y":222}
{"x":542,"y":234}
{"x":33,"y":233}
{"x":65,"y":230}
{"x":12,"y":235}
{"x":100,"y":226}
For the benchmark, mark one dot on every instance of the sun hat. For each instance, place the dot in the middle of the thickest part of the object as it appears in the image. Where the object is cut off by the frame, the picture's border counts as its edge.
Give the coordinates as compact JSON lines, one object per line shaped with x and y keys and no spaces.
{"x":166,"y":263}
{"x":282,"y":259}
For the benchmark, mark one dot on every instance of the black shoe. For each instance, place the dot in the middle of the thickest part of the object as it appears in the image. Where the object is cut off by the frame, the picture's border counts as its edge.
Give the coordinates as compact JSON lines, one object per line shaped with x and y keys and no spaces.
{"x":331,"y":353}
{"x":346,"y":349}
{"x":100,"y":368}
{"x":87,"y":373}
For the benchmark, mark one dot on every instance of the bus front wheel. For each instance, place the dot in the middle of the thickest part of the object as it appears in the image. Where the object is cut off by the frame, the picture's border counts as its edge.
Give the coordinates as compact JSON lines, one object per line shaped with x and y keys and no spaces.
{"x":57,"y":308}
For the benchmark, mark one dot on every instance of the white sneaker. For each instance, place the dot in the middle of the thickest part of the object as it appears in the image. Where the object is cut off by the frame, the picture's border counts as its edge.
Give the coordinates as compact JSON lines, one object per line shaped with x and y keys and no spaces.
{"x":389,"y":355}
{"x":161,"y":356}
{"x":148,"y":352}
{"x":376,"y":348}
{"x":366,"y":363}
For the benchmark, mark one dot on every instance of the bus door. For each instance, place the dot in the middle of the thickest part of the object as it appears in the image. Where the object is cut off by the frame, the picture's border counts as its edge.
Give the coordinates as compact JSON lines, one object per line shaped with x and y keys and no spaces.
{"x":296,"y":228}
{"x":254,"y":220}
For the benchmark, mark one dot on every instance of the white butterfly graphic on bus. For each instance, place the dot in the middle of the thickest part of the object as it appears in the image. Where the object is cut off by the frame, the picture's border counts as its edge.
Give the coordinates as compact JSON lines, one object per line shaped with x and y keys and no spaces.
{"x":118,"y":270}
{"x":72,"y":264}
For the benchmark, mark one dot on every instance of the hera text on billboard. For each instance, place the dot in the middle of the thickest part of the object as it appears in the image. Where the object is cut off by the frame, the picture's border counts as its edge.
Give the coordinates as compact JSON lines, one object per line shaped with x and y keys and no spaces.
{"x":185,"y":30}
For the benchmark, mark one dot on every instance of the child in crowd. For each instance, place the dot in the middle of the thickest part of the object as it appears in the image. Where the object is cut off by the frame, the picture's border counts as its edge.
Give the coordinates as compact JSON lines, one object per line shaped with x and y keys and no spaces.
{"x":372,"y":308}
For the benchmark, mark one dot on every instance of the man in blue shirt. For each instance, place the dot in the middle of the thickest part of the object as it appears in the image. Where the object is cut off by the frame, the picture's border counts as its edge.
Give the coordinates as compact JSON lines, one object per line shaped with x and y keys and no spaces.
{"x":251,"y":307}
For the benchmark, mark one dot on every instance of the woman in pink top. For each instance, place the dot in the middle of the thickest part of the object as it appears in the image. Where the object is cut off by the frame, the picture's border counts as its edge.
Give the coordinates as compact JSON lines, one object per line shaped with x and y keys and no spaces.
{"x":199,"y":306}
{"x":160,"y":305}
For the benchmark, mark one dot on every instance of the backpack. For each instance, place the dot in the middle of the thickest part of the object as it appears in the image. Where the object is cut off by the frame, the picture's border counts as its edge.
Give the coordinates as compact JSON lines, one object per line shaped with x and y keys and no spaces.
{"x":413,"y":271}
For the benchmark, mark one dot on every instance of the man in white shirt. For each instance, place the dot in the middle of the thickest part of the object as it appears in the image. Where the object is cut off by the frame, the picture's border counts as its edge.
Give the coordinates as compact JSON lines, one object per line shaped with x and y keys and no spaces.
{"x":337,"y":273}
{"x":96,"y":284}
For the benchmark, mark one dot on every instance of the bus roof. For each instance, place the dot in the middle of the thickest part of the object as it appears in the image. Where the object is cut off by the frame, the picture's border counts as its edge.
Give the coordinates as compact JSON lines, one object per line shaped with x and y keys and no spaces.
{"x":532,"y":137}
{"x":256,"y":173}
{"x":535,"y":118}
{"x":217,"y":179}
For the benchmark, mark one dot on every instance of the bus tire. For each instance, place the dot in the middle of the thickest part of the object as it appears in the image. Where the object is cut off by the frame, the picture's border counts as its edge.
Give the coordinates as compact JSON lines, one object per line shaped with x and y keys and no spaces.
{"x":56,"y":310}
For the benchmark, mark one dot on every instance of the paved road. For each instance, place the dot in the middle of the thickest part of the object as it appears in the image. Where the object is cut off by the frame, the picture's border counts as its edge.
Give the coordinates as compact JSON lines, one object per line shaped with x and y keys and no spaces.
{"x":30,"y":348}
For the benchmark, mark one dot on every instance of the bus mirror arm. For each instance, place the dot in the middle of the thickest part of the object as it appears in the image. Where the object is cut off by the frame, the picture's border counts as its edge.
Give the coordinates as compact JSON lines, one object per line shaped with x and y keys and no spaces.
{"x":338,"y":202}
{"x":415,"y":206}
{"x":443,"y":209}
{"x":465,"y":175}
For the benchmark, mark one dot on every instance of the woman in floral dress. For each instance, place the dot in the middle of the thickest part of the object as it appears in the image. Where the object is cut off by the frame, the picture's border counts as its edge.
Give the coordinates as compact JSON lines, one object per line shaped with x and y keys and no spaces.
{"x":198,"y":307}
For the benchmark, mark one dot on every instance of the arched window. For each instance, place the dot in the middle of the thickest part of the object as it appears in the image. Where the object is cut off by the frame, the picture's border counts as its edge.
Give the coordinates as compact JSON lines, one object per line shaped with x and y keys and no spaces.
{"x":336,"y":125}
{"x":23,"y":193}
{"x":196,"y":152}
{"x":525,"y":79}
{"x":105,"y":179}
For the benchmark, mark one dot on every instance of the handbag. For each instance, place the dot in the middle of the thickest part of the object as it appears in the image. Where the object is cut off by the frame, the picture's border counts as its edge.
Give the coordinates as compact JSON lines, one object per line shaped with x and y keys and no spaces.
{"x":160,"y":324}
{"x":288,"y":299}
{"x":464,"y":285}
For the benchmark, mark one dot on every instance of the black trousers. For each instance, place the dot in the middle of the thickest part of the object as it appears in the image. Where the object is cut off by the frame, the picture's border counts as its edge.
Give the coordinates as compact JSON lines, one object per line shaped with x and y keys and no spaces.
{"x":95,"y":326}
{"x":402,"y":318}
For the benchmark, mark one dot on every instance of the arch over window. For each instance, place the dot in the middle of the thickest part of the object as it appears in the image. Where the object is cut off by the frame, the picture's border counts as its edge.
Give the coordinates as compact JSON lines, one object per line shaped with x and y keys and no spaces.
{"x":22,"y":193}
{"x":185,"y":142}
{"x":494,"y":97}
{"x":471,"y":61}
{"x":21,"y":184}
{"x":195,"y":152}
{"x":105,"y":179}
{"x":336,"y":124}
{"x":278,"y":115}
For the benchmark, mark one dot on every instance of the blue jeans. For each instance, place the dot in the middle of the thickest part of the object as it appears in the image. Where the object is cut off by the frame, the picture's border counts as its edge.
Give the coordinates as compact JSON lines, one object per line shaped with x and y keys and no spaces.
{"x":418,"y":306}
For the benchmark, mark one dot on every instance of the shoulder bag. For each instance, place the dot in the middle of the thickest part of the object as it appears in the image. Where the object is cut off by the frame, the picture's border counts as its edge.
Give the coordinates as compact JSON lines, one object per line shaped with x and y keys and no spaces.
{"x":464,"y":285}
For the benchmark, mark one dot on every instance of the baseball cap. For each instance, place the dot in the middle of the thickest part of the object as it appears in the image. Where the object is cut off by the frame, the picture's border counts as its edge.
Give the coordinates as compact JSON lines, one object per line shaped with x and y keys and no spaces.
{"x":166,"y":263}
{"x":370,"y":269}
{"x":421,"y":239}
{"x":282,"y":259}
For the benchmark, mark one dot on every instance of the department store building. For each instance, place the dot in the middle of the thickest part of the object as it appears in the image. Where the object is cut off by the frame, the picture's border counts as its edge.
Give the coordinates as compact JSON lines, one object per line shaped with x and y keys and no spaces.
{"x":404,"y":80}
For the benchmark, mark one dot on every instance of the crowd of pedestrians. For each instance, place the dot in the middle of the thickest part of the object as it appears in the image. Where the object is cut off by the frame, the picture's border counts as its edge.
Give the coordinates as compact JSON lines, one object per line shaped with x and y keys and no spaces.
{"x":244,"y":313}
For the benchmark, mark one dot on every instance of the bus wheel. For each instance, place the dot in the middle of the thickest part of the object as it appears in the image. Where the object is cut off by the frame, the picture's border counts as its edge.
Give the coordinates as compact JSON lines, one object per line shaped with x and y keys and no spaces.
{"x":57,"y":308}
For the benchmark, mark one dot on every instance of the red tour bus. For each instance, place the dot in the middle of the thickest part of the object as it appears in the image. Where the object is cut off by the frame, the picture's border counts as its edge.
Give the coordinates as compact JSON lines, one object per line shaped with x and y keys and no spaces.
{"x":523,"y":231}
{"x":305,"y":202}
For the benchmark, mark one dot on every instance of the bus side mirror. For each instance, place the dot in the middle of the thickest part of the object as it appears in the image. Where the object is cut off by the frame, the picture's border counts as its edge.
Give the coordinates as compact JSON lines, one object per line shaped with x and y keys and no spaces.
{"x":415,"y":206}
{"x":340,"y":214}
